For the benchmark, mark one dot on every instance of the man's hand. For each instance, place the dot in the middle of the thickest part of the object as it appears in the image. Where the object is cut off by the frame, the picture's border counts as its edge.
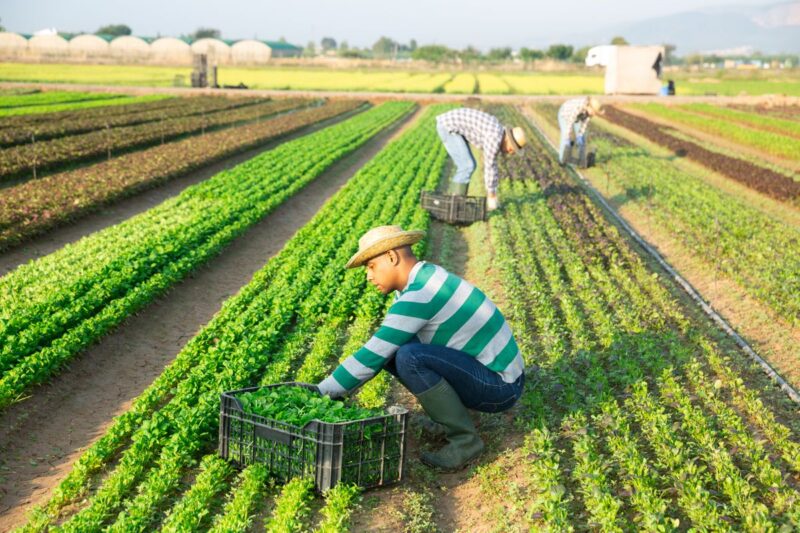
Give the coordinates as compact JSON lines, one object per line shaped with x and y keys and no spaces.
{"x":324,"y":389}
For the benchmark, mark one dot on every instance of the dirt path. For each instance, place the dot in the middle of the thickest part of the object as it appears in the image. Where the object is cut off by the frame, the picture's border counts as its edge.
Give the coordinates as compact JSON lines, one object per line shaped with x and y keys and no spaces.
{"x":125,"y":208}
{"x":43,"y":436}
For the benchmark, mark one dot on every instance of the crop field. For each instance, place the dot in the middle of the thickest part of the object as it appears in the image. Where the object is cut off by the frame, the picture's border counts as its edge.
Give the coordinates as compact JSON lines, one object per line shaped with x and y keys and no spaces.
{"x":396,"y":80}
{"x":638,"y":414}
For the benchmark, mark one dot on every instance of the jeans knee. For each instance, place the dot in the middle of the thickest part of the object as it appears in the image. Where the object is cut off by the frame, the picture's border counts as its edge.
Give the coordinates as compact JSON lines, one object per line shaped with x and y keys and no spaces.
{"x":405,"y":358}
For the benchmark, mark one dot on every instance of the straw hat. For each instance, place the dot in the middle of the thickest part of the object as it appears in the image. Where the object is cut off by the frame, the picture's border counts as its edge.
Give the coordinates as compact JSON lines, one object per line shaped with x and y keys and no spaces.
{"x":517,"y":136}
{"x":382,"y":239}
{"x":596,"y":106}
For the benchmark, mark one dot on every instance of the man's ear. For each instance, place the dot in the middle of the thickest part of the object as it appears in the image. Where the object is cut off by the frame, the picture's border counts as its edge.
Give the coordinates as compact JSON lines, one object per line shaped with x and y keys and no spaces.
{"x":394,"y":257}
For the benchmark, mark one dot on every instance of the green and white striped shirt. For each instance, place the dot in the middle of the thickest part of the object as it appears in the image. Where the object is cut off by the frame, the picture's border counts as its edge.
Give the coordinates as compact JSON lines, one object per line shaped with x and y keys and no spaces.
{"x":438,"y":308}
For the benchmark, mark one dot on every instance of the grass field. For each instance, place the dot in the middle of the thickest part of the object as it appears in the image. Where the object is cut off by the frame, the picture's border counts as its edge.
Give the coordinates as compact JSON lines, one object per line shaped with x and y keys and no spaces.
{"x":726,"y":84}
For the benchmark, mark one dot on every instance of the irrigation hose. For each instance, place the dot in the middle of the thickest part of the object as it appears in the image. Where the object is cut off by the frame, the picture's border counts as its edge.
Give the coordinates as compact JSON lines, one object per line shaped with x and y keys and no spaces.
{"x":687,"y":287}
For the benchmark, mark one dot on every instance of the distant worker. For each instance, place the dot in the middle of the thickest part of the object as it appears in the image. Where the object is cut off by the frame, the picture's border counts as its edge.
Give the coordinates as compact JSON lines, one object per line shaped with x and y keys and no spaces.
{"x":574,"y":116}
{"x":442,"y":338}
{"x":464,"y":126}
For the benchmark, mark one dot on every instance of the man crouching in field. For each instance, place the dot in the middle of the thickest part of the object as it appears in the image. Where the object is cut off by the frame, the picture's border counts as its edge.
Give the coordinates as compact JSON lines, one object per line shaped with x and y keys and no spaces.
{"x":442,"y":338}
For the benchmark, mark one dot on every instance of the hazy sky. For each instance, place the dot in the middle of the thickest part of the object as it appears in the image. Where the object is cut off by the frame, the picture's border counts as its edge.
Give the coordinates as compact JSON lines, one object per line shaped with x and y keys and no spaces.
{"x":482,"y":23}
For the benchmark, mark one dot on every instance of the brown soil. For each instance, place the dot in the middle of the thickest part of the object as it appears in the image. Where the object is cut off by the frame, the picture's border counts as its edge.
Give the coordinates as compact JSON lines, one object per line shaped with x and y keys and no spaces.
{"x":759,"y":178}
{"x":716,"y":140}
{"x":41,"y":437}
{"x":125,"y":208}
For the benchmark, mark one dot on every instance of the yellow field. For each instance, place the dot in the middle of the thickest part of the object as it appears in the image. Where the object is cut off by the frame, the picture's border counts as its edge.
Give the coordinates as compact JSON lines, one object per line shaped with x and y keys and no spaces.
{"x":722,"y":83}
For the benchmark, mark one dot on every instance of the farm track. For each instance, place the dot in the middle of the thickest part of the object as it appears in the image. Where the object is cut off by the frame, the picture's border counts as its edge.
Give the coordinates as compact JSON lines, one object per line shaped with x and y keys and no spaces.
{"x":120,"y":366}
{"x":758,"y":178}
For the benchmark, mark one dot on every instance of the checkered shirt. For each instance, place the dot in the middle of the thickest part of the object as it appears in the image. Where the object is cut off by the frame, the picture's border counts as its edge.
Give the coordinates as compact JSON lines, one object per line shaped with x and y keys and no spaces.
{"x":573,"y":112}
{"x":479,"y":129}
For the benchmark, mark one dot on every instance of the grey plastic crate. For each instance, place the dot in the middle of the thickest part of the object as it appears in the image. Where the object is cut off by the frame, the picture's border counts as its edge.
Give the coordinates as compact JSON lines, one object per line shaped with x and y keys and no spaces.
{"x":454,"y":209}
{"x":368,"y":453}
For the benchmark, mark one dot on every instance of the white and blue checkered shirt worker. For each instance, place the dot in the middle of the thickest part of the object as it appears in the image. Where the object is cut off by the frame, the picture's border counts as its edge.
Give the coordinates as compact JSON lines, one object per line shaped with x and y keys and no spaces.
{"x":479,"y":129}
{"x":574,"y":114}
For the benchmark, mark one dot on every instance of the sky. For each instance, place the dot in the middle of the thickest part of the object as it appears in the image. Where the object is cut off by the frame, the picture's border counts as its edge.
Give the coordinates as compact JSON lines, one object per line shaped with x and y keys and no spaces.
{"x":480,"y":23}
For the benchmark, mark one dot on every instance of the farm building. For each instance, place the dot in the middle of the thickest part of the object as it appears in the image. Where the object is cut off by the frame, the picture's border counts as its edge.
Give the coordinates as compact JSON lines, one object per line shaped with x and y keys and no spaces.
{"x":130,"y":49}
{"x":281,"y":49}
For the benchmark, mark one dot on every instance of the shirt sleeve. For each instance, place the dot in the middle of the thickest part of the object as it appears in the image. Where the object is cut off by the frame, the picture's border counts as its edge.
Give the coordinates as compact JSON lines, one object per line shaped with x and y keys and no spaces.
{"x":490,"y":173}
{"x":583,"y":125}
{"x":396,"y":330}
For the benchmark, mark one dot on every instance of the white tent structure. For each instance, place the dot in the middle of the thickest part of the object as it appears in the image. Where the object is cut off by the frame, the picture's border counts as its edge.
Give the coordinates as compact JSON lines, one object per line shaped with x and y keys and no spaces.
{"x":629,"y":69}
{"x":13,"y":45}
{"x":128,"y":48}
{"x":250,"y":52}
{"x":88,"y":46}
{"x":218,"y":52}
{"x":169,"y":50}
{"x":48,"y":46}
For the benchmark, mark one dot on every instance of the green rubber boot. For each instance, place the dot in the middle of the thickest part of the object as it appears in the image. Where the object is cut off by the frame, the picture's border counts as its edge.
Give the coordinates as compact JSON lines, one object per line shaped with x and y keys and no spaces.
{"x":444,"y":406}
{"x":458,"y":189}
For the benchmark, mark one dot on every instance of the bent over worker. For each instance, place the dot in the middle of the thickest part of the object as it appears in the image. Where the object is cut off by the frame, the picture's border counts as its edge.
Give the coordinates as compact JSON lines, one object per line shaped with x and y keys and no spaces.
{"x":574,"y":116}
{"x":442,"y":338}
{"x":461,"y":127}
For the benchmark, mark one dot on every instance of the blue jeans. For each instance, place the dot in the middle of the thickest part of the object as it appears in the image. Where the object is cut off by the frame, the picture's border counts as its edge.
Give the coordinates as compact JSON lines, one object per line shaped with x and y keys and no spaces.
{"x":421,"y":366}
{"x":457,"y":147}
{"x":565,"y":135}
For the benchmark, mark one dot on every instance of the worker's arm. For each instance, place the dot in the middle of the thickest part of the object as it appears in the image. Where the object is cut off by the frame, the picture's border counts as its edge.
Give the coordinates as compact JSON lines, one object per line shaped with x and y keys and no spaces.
{"x":490,"y":173}
{"x":406,"y":317}
{"x":582,"y":125}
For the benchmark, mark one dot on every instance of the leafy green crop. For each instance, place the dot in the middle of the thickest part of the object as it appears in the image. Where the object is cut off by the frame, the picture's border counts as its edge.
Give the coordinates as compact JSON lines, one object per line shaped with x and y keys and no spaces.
{"x":299,"y":406}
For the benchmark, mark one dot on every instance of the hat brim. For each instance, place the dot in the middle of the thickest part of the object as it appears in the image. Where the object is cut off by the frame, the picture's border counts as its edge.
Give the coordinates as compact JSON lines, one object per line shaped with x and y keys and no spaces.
{"x":510,"y":135}
{"x":390,"y":242}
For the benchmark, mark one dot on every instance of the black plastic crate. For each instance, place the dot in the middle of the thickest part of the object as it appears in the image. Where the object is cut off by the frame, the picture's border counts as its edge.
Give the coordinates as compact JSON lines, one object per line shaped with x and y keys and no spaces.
{"x":589,"y":156}
{"x":455,"y":209}
{"x":369,"y":452}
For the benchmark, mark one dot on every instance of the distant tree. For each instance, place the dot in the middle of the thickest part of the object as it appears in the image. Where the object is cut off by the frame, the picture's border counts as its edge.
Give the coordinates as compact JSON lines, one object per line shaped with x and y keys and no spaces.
{"x":470,"y":54}
{"x":579,"y":55}
{"x":434,"y":52}
{"x":352,"y":53}
{"x":560,"y":52}
{"x":384,"y":47}
{"x":2,"y":28}
{"x":310,"y":50}
{"x":343,"y":46}
{"x":282,"y":39}
{"x":499,"y":54}
{"x":528,"y":54}
{"x":114,"y":29}
{"x":619,"y":40}
{"x":412,"y":45}
{"x":328,"y":43}
{"x":206,"y":33}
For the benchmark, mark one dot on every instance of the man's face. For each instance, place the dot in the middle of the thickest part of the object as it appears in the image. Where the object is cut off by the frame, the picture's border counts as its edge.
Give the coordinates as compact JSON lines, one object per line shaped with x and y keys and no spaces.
{"x":508,"y":146}
{"x":382,"y":273}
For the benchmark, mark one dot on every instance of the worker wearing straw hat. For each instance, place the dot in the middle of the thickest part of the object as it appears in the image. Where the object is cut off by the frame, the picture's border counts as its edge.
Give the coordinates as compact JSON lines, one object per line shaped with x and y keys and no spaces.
{"x":461,"y":127}
{"x":574,"y":116}
{"x":442,"y":338}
